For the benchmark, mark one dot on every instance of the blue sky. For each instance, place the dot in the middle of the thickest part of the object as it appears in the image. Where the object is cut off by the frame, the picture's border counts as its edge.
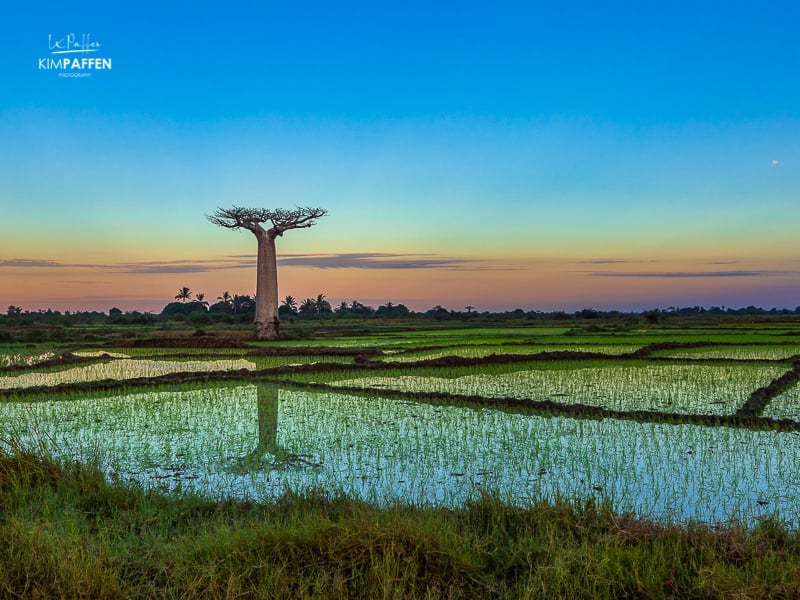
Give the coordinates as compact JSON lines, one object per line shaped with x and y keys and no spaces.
{"x":651,"y":141}
{"x":639,"y":65}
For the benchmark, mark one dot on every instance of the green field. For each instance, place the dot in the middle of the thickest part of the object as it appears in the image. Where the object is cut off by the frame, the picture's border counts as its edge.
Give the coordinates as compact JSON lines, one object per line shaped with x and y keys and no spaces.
{"x":437,"y":417}
{"x":678,"y":427}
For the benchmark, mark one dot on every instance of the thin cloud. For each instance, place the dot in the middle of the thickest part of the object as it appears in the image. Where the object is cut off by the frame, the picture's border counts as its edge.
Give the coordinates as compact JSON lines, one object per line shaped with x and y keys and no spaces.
{"x":347,"y":260}
{"x":185,"y":266}
{"x":680,"y":274}
{"x":191,"y":266}
{"x":365,"y":260}
{"x":606,"y":261}
{"x":350,"y":260}
{"x":362,"y":255}
{"x":385,"y":260}
{"x":31,"y":263}
{"x":37,"y":263}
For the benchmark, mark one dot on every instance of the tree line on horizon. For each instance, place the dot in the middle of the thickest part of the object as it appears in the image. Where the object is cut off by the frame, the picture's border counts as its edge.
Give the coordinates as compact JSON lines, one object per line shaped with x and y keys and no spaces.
{"x":290,"y":307}
{"x":241,"y":308}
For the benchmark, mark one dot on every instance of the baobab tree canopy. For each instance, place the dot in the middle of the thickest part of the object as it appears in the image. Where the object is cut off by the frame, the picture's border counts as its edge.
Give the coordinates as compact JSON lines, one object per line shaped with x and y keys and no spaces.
{"x":236,"y":217}
{"x":281,"y":219}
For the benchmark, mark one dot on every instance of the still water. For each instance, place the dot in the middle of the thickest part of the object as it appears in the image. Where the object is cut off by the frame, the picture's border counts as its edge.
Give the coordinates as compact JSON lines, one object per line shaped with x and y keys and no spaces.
{"x":248,"y":441}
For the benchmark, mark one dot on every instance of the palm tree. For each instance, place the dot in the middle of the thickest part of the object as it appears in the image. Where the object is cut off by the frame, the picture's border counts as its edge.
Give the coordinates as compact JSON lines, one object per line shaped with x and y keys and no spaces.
{"x":290,"y":302}
{"x":308,"y":308}
{"x":184,"y":294}
{"x":200,"y":297}
{"x":242,"y":304}
{"x":226,"y":298}
{"x":321,"y":305}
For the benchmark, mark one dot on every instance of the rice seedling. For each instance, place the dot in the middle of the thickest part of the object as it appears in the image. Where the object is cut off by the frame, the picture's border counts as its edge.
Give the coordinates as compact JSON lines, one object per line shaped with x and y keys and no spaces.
{"x":258,"y":442}
{"x":21,"y":358}
{"x":143,"y":352}
{"x":477,"y":351}
{"x":254,"y":441}
{"x":785,"y":405}
{"x":144,"y":436}
{"x":753,"y":352}
{"x":99,"y":353}
{"x":267,"y":362}
{"x":119,"y":369}
{"x":675,"y":388}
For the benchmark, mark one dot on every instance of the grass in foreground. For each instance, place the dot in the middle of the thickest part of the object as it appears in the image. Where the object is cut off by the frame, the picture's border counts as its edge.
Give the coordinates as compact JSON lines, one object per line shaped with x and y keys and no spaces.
{"x":66,"y":532}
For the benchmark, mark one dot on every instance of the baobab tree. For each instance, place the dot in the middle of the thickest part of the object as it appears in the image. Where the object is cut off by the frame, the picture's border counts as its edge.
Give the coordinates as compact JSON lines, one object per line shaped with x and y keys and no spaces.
{"x":281,"y":220}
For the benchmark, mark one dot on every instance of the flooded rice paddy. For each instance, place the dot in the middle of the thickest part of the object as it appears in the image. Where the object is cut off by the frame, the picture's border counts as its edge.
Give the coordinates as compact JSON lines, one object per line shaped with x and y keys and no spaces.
{"x":477,"y":351}
{"x":120,"y":370}
{"x":412,"y":435}
{"x":686,"y":389}
{"x":737,"y":352}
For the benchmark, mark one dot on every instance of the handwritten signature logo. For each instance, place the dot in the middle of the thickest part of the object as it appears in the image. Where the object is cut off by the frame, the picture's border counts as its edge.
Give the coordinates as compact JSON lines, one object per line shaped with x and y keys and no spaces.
{"x":68,"y":56}
{"x":71,"y":44}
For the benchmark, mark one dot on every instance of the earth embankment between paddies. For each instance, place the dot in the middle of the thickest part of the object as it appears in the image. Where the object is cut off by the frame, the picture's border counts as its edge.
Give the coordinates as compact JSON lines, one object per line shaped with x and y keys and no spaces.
{"x":760,"y":398}
{"x":63,"y":360}
{"x":748,"y":416}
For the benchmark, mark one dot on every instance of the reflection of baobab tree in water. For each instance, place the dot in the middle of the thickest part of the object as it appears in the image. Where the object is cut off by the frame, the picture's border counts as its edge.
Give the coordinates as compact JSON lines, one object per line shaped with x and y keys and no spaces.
{"x":268,"y":452}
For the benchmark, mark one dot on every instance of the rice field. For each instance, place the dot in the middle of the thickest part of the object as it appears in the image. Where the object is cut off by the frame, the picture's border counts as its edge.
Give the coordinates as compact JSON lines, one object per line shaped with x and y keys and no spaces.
{"x":737,"y":352}
{"x":656,"y":432}
{"x":120,"y":369}
{"x":684,"y":389}
{"x":258,"y":441}
{"x":479,"y":351}
{"x":785,"y":405}
{"x":24,"y":359}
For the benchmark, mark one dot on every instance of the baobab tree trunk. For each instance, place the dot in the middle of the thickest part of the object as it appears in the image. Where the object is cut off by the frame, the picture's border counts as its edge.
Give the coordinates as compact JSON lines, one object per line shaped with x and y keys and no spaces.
{"x":266,"y":320}
{"x":268,"y":418}
{"x":267,"y":433}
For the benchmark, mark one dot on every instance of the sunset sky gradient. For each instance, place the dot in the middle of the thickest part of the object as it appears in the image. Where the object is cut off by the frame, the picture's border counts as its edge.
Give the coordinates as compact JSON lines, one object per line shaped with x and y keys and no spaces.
{"x":534,"y":155}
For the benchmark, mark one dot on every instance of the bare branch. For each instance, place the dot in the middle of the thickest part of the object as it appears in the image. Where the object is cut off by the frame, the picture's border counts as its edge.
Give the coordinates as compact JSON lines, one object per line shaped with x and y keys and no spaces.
{"x":237,"y":216}
{"x":280,"y":218}
{"x":301,"y":217}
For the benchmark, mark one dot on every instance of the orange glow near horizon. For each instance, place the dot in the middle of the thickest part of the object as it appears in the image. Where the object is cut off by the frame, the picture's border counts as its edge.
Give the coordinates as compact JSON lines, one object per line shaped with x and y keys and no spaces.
{"x":542,"y":284}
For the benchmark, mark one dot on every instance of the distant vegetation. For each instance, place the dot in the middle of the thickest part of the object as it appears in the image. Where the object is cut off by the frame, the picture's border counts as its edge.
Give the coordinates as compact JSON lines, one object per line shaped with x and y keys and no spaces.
{"x":238,"y":308}
{"x":302,"y":317}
